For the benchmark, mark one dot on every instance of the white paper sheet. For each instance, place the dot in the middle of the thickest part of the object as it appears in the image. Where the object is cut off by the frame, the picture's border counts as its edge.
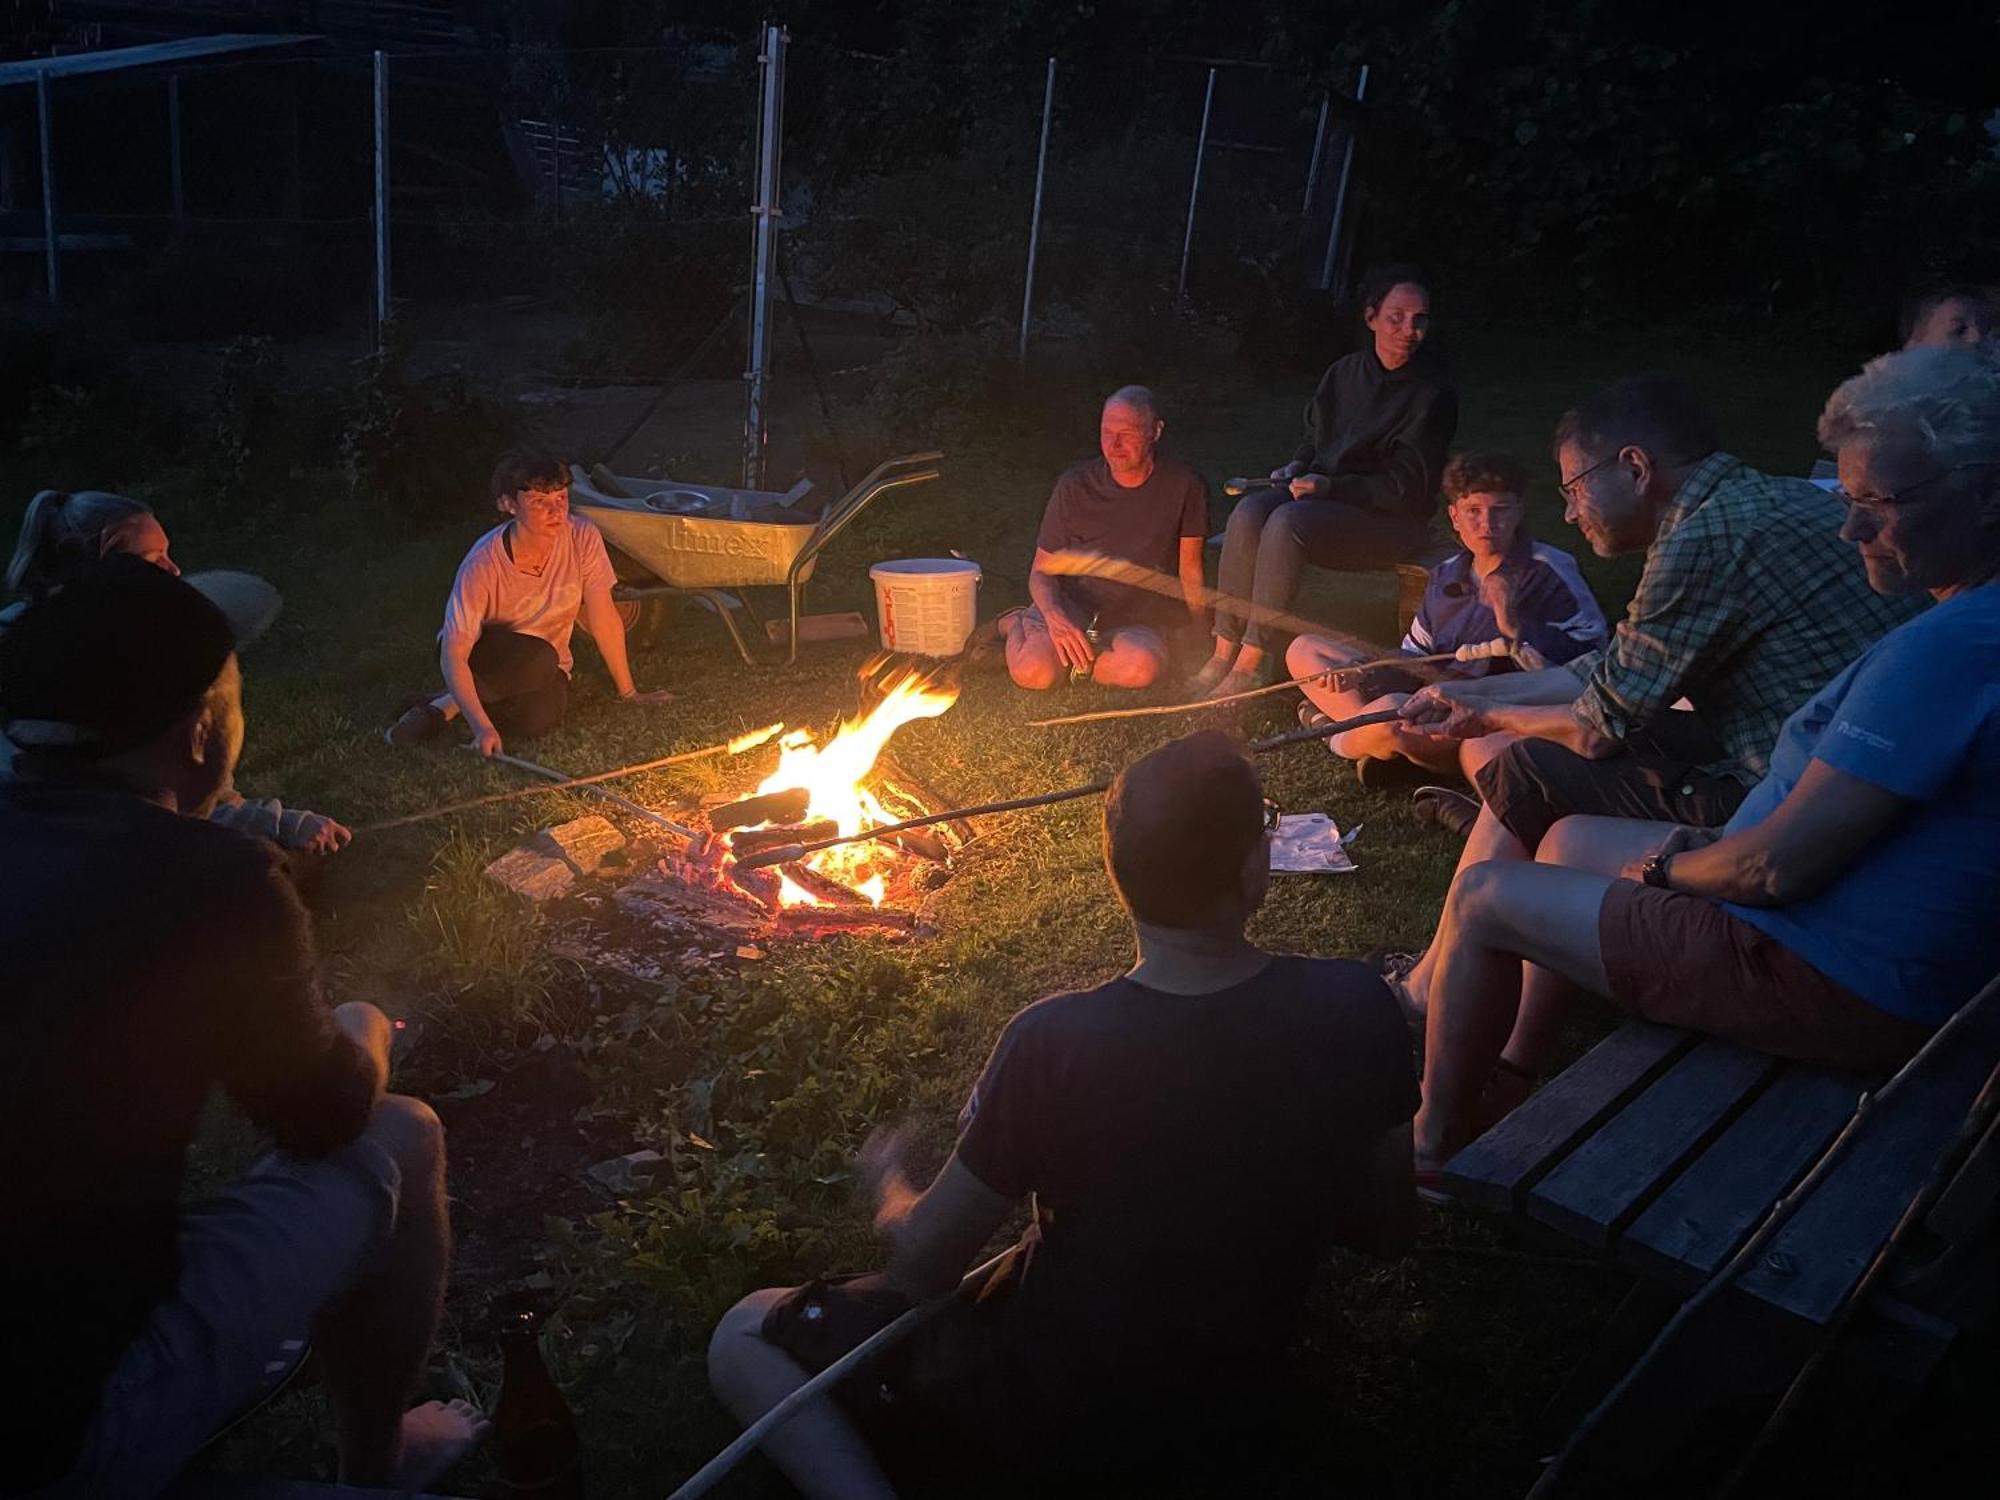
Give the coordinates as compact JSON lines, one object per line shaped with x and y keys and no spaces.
{"x":1308,"y":844}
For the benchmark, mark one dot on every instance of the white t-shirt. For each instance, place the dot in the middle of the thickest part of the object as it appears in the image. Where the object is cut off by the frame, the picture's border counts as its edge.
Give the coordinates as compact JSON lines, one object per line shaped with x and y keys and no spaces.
{"x":491,"y":590}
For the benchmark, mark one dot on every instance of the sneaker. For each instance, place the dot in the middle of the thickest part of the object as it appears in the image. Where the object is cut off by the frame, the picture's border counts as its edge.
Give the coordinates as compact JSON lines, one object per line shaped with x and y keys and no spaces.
{"x":1441,"y":807}
{"x":1311,"y":716}
{"x":1389,"y":775}
{"x":1204,"y":681}
{"x":420,"y":722}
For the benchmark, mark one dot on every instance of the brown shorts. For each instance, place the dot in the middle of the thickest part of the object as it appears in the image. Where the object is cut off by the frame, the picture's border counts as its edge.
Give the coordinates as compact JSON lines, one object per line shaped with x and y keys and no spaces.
{"x":1684,"y":961}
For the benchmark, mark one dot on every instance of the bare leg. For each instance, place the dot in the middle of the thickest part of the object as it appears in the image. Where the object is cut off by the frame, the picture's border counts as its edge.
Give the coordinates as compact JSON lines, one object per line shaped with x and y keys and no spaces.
{"x":1602,"y":846}
{"x":1031,"y":655}
{"x":1134,"y":659}
{"x":377,"y":1338}
{"x":1488,"y":841}
{"x":1495,"y":916}
{"x":819,"y":1450}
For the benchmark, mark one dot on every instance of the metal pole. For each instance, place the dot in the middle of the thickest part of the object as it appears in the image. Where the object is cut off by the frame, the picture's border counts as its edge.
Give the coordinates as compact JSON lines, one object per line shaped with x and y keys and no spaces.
{"x":1194,"y":190}
{"x":48,"y":189}
{"x":1319,"y":146}
{"x":1035,"y":222}
{"x":1340,"y":193}
{"x":174,"y":153}
{"x":381,"y":198}
{"x":763,"y":246}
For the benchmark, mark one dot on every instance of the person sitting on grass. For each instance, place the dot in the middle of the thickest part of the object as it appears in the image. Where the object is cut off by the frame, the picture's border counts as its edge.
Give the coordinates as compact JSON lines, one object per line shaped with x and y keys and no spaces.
{"x":1192,"y":1134}
{"x":1132,"y":504}
{"x":1847,"y":907}
{"x":1500,"y":585}
{"x":1359,"y":492}
{"x":150,"y":958}
{"x":504,"y":648}
{"x":63,"y":536}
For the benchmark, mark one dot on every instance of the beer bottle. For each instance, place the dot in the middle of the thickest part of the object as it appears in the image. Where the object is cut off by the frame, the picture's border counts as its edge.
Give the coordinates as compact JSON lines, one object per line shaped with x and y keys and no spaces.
{"x":534,"y":1432}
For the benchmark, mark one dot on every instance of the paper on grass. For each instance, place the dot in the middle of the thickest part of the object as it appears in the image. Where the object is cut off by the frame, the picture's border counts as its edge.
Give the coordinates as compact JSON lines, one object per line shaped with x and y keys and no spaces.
{"x":1308,"y":844}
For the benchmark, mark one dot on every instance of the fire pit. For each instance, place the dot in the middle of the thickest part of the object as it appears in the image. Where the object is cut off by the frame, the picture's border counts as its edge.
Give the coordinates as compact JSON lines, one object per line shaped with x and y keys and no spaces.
{"x":694,"y":895}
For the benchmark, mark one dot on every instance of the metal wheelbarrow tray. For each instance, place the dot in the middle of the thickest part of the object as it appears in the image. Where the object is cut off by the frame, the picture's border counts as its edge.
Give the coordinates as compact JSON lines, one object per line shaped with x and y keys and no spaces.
{"x":705,"y":556}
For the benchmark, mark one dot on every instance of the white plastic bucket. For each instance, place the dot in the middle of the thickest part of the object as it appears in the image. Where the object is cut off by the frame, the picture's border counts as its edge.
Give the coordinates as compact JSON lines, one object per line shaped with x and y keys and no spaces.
{"x":927,"y":605}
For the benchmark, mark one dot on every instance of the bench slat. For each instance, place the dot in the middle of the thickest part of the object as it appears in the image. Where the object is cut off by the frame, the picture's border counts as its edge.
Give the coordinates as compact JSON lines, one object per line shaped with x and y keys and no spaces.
{"x":1497,"y":1170}
{"x":1704,"y":1214}
{"x":1602,"y":1185}
{"x":1813,"y":1262}
{"x":1961,"y":1209}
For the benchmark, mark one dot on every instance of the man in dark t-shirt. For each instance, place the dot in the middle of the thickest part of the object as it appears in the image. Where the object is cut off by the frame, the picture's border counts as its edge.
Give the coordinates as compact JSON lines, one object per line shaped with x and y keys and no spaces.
{"x":1130,"y":512}
{"x":1193,"y":1134}
{"x":149,"y":957}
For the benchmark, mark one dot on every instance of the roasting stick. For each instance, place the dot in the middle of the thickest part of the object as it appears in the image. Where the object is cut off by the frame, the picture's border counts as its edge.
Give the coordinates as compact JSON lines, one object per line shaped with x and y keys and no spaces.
{"x":596,"y":791}
{"x":747,"y":741}
{"x":1257,"y":692}
{"x":785,"y":854}
{"x":710,"y":1474}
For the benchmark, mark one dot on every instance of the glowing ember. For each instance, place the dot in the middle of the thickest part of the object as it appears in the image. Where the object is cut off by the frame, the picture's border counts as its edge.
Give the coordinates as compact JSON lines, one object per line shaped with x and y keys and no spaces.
{"x":832,"y":775}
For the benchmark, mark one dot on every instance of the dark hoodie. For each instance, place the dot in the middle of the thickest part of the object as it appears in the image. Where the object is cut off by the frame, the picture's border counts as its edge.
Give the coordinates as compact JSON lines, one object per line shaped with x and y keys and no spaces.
{"x":1381,"y":434}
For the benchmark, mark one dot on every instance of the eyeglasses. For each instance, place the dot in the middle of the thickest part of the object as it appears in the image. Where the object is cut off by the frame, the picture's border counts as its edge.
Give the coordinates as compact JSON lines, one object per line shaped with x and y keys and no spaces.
{"x":1897,"y":498}
{"x":1272,"y":814}
{"x":1568,"y":486}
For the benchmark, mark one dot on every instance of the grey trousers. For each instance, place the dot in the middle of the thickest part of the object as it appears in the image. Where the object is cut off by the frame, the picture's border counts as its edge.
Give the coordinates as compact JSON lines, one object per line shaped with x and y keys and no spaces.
{"x":1271,"y":537}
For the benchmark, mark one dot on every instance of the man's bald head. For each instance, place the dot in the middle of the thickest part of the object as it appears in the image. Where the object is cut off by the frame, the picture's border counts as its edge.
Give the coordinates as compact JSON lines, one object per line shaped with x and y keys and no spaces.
{"x":1127,"y":433}
{"x":1184,"y":834}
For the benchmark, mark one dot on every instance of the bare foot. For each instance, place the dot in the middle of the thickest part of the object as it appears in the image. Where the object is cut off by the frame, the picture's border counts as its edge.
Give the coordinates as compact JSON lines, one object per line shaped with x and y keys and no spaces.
{"x":435,"y":1436}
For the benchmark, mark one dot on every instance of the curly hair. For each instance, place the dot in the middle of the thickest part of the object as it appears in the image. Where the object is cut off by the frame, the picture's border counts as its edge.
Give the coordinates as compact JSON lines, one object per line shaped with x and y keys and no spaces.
{"x":1490,"y":473}
{"x":522,"y":470}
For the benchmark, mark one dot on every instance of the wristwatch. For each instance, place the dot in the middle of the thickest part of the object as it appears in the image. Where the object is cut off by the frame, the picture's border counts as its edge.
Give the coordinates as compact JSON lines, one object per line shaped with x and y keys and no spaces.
{"x":1653,"y":869}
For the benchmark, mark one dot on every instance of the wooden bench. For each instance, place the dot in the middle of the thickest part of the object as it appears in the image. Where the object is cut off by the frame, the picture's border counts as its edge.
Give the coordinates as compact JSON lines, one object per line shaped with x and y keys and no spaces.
{"x":1666,"y":1151}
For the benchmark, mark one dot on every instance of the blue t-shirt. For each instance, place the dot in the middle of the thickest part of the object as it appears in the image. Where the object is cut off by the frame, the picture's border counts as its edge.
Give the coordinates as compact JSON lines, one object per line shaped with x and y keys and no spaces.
{"x":1913,"y":927}
{"x":1553,"y":607}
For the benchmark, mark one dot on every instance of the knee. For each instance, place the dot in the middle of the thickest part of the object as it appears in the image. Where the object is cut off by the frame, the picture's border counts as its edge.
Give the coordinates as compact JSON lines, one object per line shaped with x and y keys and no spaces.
{"x":1478,"y":899}
{"x":1306,"y":655}
{"x":1286,"y":526}
{"x":730,"y":1349}
{"x":1566,"y":843}
{"x":410,"y":1131}
{"x":1128,"y":669}
{"x":1034,"y":670}
{"x":1245,"y":523}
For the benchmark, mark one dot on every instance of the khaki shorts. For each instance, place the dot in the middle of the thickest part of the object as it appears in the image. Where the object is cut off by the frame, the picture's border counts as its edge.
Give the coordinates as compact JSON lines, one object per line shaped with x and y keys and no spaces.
{"x":258,"y":1262}
{"x":1133,"y":637}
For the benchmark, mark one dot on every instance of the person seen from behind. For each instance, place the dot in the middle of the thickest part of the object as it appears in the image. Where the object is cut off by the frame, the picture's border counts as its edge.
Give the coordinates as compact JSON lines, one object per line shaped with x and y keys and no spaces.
{"x":152,"y":957}
{"x":1192,"y":1136}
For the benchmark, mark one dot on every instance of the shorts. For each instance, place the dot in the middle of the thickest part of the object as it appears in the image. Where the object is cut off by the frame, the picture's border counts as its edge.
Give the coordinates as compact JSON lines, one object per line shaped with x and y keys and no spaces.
{"x":1682,"y":960}
{"x":258,"y":1263}
{"x":1660,"y":775}
{"x":1138,"y":637}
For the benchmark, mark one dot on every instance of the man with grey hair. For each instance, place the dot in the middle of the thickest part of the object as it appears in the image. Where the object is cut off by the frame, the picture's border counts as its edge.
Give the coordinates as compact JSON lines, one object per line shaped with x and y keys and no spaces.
{"x":1131,"y":505}
{"x":1846,"y":909}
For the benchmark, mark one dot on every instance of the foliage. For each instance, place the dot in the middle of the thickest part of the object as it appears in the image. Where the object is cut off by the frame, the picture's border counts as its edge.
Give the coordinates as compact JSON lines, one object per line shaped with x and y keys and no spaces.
{"x":418,"y":446}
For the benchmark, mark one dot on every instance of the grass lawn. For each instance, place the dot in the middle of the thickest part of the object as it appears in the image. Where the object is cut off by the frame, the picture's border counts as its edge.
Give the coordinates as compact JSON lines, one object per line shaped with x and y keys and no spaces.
{"x":758,"y":1080}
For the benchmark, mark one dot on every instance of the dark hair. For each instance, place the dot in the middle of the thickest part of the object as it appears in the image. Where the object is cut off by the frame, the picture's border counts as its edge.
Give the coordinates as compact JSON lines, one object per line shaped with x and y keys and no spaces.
{"x":1382,"y":280}
{"x":1917,"y":309}
{"x":522,"y":469}
{"x":1654,"y":411}
{"x":1178,"y":825}
{"x":1484,"y":473}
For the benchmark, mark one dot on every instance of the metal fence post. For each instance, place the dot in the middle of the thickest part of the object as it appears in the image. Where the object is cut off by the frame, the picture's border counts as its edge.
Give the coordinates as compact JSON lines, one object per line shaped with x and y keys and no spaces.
{"x":1035,"y":221}
{"x":763,"y":244}
{"x":1194,"y":190}
{"x":42,"y":116}
{"x":381,"y":199}
{"x":1319,"y":148}
{"x":1340,"y":193}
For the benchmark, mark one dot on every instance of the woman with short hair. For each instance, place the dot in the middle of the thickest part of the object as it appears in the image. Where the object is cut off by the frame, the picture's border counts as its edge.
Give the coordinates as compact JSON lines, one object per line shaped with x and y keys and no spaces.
{"x":1360,"y":490}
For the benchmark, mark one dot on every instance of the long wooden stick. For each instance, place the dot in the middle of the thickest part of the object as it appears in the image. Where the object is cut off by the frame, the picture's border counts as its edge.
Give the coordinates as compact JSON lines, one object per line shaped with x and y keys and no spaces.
{"x":736,"y":746}
{"x":1151,"y":710}
{"x":712,"y":1473}
{"x":596,"y":791}
{"x":786,"y":854}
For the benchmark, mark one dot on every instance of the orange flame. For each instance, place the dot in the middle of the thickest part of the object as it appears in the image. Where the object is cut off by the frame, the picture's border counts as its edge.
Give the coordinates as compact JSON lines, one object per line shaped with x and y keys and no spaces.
{"x":832,"y":775}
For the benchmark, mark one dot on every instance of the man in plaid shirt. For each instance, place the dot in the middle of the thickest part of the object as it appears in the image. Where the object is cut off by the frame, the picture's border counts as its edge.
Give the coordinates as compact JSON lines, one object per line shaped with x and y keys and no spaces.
{"x":1749,"y":603}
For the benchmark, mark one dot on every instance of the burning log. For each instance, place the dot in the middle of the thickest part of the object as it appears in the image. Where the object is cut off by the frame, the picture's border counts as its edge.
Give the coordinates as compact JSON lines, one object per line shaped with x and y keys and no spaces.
{"x":917,"y":841}
{"x":827,"y":889}
{"x":786,"y":806}
{"x":750,"y":840}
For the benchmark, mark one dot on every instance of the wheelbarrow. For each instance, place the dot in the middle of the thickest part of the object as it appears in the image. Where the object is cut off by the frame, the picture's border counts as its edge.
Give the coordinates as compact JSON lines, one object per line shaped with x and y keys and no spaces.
{"x":698,"y":541}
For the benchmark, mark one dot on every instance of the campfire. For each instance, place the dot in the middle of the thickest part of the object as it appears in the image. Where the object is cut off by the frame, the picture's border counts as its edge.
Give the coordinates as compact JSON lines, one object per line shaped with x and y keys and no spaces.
{"x":842,"y":787}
